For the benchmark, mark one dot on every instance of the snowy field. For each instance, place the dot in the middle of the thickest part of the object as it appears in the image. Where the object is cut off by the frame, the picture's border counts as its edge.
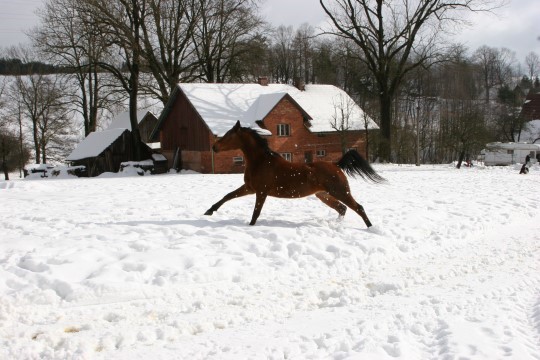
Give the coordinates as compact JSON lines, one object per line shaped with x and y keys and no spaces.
{"x":129,"y":268}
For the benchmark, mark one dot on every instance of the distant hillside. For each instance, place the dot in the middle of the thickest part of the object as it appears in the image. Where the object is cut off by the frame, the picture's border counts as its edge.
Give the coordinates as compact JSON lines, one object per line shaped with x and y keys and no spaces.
{"x":17,"y":67}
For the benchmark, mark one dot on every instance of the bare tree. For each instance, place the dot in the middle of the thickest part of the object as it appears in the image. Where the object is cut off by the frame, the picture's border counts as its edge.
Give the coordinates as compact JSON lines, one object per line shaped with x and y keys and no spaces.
{"x":282,"y":54}
{"x":6,"y":148}
{"x":395,"y":38}
{"x":120,"y":25}
{"x":495,"y":67}
{"x":71,"y":43}
{"x":342,"y":120}
{"x":532,"y":63}
{"x":44,"y":105}
{"x":462,"y":129}
{"x":222,"y":28}
{"x":13,"y":153}
{"x":303,"y":46}
{"x":168,"y":50}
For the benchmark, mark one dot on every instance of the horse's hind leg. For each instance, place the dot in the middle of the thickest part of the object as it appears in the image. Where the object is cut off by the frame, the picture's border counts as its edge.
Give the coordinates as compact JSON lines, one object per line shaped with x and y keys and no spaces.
{"x":332,"y":202}
{"x":241,"y":191}
{"x":346,"y":198}
{"x":359,"y":209}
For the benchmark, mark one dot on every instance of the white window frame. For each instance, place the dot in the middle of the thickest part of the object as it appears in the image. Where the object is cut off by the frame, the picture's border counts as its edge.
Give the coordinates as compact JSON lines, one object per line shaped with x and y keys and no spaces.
{"x":286,"y":156}
{"x":321,"y":153}
{"x":238,"y":160}
{"x":284,"y":130}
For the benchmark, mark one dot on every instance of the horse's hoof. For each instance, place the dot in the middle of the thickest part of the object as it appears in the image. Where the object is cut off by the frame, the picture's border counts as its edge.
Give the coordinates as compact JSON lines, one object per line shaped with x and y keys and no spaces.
{"x":209,"y":212}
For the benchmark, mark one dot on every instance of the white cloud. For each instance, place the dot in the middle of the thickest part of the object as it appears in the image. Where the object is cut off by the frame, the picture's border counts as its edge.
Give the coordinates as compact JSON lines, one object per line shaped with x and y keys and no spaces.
{"x":514,"y":27}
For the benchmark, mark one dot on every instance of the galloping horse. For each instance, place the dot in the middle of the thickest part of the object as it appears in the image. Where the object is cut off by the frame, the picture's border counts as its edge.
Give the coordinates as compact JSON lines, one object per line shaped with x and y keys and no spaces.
{"x":267,"y":173}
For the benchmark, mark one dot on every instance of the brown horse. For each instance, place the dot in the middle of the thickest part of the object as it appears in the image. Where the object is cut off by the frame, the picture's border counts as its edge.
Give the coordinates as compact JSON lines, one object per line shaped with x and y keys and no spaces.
{"x":267,"y":173}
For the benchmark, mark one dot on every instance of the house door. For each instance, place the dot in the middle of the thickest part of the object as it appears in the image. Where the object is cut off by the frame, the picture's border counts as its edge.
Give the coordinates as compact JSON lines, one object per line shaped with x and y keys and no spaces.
{"x":308,"y":157}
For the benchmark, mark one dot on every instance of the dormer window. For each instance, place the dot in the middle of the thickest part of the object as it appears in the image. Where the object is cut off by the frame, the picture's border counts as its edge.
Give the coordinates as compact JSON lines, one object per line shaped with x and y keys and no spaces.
{"x":283,"y":130}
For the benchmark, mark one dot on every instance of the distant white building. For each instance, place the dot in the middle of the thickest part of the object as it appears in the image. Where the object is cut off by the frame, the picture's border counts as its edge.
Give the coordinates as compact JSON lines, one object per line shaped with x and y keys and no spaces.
{"x":498,"y":153}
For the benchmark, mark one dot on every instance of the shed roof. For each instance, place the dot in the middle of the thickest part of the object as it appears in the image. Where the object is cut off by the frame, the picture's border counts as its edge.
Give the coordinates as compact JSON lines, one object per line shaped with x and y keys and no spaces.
{"x":221,"y":105}
{"x":121,"y":120}
{"x":95,"y":143}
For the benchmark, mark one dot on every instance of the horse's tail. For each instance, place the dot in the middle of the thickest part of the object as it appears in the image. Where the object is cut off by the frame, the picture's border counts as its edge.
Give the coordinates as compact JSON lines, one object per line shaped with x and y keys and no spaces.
{"x":354,"y":164}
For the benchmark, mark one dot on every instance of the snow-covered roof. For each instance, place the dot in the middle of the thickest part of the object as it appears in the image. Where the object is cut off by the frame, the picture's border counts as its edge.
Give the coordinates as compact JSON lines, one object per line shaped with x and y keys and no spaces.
{"x":262,"y":106}
{"x":513,"y":145}
{"x":121,"y":121}
{"x":94,"y":144}
{"x":221,"y":105}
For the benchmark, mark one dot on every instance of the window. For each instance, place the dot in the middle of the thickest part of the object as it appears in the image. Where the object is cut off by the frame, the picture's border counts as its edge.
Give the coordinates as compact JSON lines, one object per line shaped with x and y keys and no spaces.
{"x":286,"y":156}
{"x":321,"y":153}
{"x":238,"y":160}
{"x":283,"y":130}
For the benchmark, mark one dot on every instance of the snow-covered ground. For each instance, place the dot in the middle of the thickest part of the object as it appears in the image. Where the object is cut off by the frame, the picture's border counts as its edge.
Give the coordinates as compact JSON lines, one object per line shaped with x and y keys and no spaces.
{"x":129,"y":268}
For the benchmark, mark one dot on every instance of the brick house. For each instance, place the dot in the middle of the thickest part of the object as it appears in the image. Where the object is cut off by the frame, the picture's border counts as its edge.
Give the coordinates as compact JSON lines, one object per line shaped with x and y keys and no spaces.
{"x":296,"y":121}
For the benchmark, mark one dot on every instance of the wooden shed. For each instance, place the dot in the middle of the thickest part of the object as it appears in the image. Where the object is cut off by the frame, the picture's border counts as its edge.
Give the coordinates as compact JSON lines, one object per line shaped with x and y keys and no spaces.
{"x":104,"y":151}
{"x":146,"y":119}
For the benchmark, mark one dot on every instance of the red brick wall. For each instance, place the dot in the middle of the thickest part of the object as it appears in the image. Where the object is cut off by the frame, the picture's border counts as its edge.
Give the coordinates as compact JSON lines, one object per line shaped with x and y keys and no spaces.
{"x":219,"y":163}
{"x":300,"y":141}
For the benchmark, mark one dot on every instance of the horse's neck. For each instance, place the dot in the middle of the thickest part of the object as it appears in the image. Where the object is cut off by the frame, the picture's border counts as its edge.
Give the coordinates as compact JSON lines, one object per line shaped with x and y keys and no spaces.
{"x":253,"y":152}
{"x":254,"y":156}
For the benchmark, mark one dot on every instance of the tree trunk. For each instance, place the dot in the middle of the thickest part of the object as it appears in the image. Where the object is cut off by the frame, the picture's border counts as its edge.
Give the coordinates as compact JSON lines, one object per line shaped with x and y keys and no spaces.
{"x":94,"y":98}
{"x":461,"y":156}
{"x":135,"y":133}
{"x":4,"y":160}
{"x":385,"y":145}
{"x":134,"y":83}
{"x":44,"y":152}
{"x":37,"y":146}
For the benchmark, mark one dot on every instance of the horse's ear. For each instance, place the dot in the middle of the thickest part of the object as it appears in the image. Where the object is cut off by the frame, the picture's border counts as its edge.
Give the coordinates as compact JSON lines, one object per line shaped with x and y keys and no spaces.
{"x":237,"y":125}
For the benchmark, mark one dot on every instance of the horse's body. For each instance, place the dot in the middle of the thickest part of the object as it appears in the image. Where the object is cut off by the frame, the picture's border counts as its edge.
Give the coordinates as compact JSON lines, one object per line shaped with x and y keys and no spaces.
{"x":268,"y":174}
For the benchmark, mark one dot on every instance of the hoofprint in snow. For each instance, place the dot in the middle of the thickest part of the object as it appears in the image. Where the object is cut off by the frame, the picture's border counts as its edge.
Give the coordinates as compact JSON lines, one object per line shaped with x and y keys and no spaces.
{"x":129,"y":268}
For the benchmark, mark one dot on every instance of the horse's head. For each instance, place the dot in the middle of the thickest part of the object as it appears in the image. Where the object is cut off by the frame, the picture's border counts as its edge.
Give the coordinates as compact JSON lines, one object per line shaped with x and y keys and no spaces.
{"x":230,"y":141}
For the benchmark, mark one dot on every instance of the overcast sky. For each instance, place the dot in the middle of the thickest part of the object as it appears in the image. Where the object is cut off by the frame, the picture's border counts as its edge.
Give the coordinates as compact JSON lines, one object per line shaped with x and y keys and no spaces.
{"x":517,"y":26}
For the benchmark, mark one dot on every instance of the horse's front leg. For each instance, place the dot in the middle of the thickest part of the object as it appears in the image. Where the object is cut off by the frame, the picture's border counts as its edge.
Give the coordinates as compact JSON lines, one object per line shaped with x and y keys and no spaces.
{"x":259,"y":202}
{"x":241,"y":191}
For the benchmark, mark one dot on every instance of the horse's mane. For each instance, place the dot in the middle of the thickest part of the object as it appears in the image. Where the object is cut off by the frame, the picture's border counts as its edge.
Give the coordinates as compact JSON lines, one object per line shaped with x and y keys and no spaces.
{"x":260,"y":141}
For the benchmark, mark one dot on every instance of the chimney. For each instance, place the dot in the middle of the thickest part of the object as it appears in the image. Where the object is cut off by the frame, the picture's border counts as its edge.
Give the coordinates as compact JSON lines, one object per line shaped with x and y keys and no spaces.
{"x":263,"y":80}
{"x":299,"y":83}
